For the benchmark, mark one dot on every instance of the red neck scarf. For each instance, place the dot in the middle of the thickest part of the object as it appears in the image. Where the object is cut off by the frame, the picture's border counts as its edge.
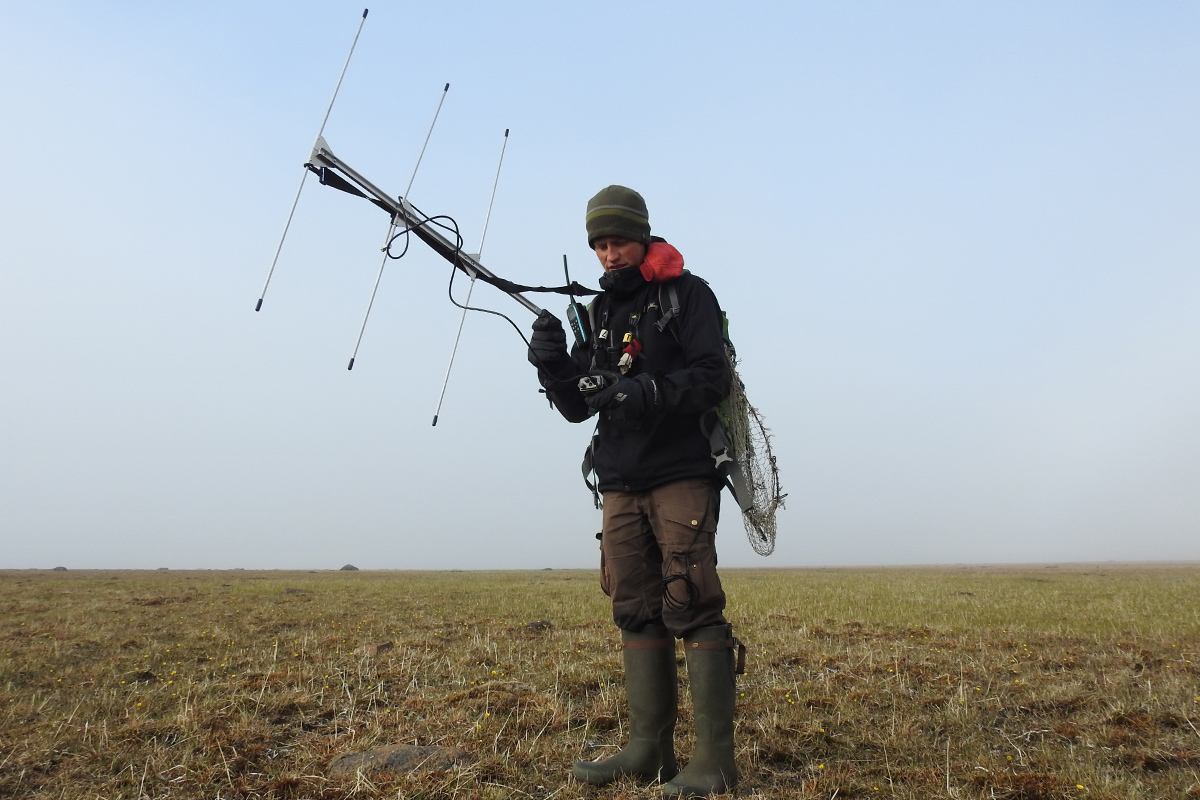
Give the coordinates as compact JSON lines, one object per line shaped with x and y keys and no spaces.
{"x":662,"y":263}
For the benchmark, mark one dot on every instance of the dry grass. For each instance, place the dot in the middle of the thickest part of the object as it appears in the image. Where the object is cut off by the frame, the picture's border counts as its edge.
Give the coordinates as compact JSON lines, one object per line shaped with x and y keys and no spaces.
{"x":1018,"y":683}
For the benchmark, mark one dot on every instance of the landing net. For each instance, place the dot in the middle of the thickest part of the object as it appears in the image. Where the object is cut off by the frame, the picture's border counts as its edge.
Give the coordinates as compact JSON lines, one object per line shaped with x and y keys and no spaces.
{"x":750,"y":445}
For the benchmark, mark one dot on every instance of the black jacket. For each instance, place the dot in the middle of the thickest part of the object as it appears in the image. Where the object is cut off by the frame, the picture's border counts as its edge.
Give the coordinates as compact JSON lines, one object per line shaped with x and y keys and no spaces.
{"x":691,"y":371}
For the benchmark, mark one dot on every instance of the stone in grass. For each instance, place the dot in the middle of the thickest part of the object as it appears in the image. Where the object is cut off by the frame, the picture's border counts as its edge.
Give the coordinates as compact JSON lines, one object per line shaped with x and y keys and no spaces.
{"x":373,"y":649}
{"x":290,"y":590}
{"x":349,"y":568}
{"x":59,"y":569}
{"x":398,"y":758}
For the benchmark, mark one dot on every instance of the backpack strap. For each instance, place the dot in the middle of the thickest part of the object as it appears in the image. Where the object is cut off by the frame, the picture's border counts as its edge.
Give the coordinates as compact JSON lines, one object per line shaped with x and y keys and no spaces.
{"x":590,"y":479}
{"x":710,"y":421}
{"x":726,"y":464}
{"x":669,"y":312}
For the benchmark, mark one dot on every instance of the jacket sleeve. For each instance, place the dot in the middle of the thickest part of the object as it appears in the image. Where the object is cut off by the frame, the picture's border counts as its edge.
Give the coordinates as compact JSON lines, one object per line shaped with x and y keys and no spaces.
{"x":563,"y":390}
{"x":705,"y":380}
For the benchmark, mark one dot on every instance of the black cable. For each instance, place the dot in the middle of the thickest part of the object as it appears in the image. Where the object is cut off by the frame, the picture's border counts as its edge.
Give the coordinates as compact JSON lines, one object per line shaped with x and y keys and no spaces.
{"x":426,"y":219}
{"x":692,"y":590}
{"x":669,"y":601}
{"x":541,"y":364}
{"x":450,"y":294}
{"x":452,"y":227}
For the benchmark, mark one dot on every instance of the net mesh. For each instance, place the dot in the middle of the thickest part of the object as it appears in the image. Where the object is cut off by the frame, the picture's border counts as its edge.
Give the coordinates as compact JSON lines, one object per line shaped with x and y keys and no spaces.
{"x":750,"y":445}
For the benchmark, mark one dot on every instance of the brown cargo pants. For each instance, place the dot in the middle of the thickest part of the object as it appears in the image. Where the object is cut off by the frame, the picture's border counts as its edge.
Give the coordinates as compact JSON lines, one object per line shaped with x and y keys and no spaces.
{"x":658,"y":559}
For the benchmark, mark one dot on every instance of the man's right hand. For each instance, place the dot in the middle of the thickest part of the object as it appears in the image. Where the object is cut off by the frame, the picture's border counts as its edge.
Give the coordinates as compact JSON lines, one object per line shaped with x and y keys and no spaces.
{"x":548,"y":344}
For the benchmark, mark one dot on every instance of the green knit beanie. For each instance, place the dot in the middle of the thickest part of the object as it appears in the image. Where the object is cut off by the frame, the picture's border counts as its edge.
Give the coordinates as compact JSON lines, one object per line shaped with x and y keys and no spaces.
{"x":618,"y":211}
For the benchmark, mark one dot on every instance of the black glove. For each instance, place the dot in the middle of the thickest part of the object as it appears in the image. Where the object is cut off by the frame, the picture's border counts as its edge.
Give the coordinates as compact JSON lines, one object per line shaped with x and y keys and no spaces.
{"x":628,"y":399}
{"x":548,"y":346}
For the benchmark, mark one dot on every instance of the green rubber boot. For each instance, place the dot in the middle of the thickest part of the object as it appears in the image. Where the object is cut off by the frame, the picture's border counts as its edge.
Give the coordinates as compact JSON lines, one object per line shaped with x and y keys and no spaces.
{"x":651,"y":689}
{"x":711,"y":670}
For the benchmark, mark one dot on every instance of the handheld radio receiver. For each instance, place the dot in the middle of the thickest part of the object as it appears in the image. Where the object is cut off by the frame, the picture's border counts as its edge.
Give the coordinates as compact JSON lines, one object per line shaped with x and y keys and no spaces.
{"x":577,"y":314}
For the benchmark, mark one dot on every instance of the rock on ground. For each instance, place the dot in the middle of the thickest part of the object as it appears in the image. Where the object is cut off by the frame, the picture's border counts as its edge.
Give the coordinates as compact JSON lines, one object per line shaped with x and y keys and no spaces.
{"x":398,"y":758}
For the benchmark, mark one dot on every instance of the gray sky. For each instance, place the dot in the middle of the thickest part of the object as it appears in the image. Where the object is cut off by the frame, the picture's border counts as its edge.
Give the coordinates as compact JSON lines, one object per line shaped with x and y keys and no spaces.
{"x":957,"y":244}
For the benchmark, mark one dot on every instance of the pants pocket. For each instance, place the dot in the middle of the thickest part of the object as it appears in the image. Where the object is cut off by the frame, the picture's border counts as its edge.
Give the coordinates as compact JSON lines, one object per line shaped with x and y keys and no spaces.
{"x":687,"y":536}
{"x":690,"y":578}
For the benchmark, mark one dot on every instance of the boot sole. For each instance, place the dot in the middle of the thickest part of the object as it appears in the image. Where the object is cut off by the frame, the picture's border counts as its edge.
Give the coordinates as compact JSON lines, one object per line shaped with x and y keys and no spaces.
{"x":689,"y":792}
{"x":583,"y":775}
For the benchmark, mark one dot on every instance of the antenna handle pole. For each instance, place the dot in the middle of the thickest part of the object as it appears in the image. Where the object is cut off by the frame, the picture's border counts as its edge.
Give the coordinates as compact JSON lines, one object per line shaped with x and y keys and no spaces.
{"x":416,"y":224}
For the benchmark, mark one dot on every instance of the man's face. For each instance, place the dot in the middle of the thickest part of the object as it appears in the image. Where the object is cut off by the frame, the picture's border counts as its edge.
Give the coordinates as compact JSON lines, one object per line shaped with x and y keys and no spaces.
{"x":616,"y":252}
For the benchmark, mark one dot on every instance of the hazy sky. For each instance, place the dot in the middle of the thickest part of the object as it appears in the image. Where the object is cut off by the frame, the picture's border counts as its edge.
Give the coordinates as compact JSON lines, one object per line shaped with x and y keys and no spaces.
{"x":957,"y":243}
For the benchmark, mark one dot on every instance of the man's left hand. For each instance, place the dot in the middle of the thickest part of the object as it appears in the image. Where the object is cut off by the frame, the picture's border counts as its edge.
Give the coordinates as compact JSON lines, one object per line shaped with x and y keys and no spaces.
{"x":628,"y":399}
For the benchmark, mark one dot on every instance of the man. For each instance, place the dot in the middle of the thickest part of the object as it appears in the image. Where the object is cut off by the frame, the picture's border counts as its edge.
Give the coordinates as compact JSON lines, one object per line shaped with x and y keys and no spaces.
{"x":655,"y":363}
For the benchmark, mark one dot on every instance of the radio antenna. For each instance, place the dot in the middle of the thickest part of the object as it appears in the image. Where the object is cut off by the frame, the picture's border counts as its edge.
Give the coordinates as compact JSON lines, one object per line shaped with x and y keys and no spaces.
{"x":471,"y":287}
{"x":321,"y":130}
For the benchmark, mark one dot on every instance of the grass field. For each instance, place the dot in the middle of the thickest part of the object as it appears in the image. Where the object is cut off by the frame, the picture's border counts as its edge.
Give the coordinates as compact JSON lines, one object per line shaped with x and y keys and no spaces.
{"x":1022,"y":683}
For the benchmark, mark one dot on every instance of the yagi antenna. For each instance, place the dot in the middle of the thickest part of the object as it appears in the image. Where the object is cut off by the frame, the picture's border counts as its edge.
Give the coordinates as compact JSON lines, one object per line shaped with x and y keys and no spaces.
{"x":392,"y":228}
{"x":471,"y":287}
{"x":320,"y":131}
